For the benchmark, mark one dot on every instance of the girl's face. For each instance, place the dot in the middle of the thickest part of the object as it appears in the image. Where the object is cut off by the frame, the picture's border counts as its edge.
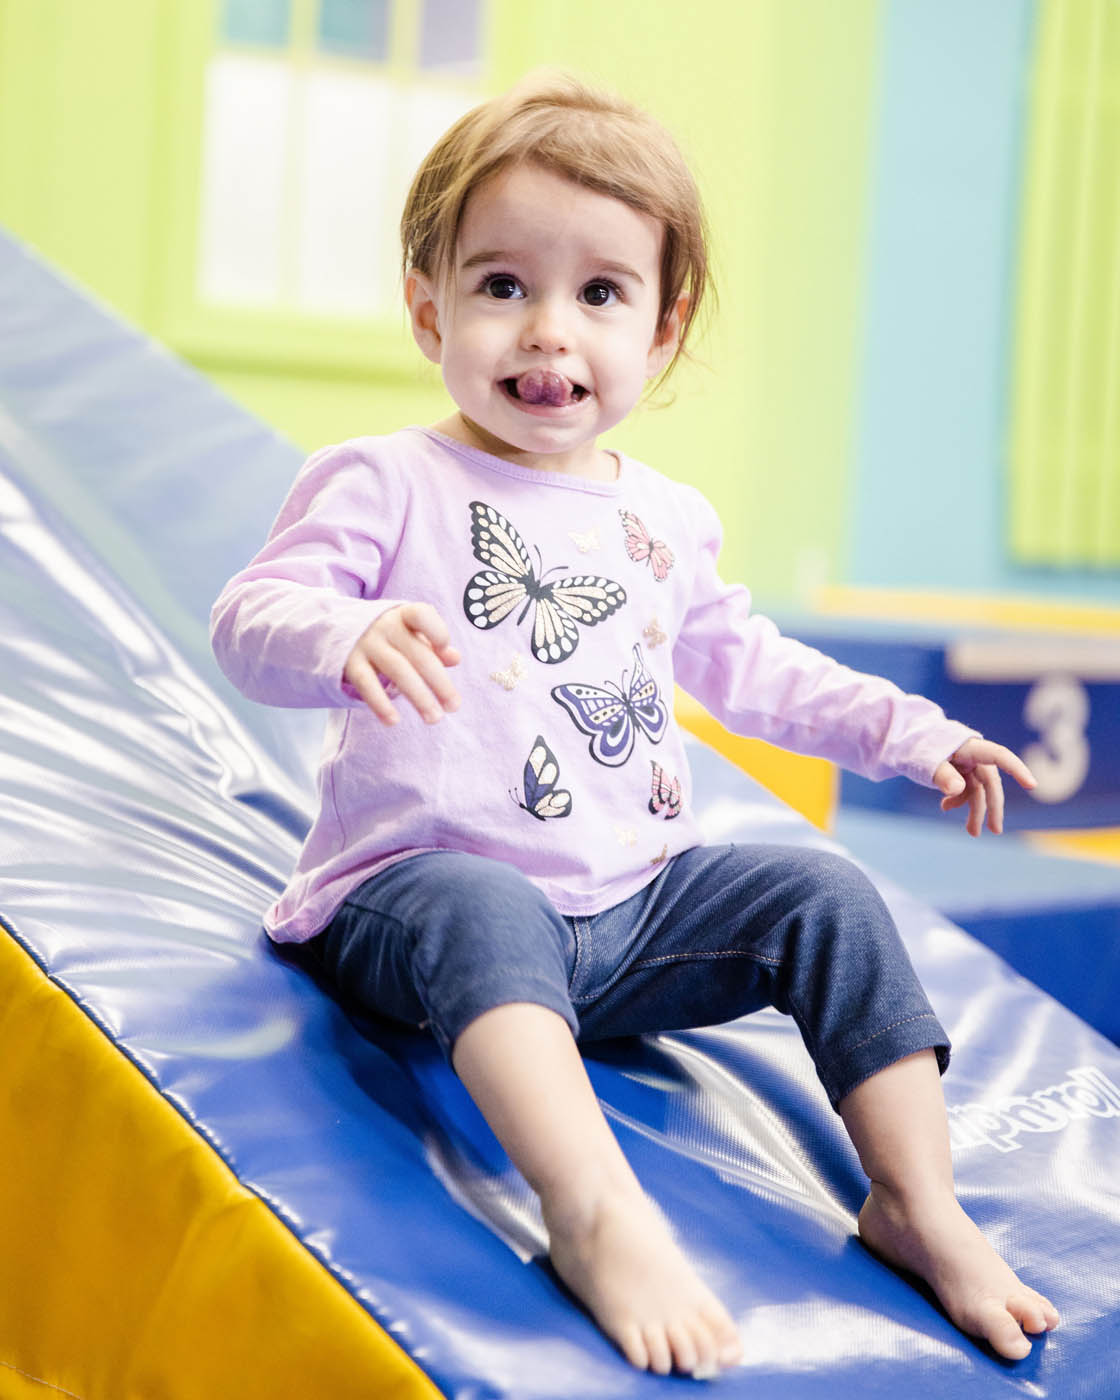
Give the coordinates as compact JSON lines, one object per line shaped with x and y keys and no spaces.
{"x":548,"y":277}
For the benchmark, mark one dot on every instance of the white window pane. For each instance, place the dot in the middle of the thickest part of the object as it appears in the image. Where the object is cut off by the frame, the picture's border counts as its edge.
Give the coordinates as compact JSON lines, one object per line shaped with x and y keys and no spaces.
{"x":247,"y":106}
{"x":427,"y":112}
{"x":347,"y":250}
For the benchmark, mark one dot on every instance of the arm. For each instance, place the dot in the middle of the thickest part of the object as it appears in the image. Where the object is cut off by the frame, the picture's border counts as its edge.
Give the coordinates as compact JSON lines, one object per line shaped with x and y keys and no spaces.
{"x":283,"y":628}
{"x":771,"y":687}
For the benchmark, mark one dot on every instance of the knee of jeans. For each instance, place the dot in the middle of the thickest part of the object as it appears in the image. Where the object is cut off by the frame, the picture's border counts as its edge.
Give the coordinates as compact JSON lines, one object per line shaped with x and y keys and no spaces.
{"x":838,"y":881}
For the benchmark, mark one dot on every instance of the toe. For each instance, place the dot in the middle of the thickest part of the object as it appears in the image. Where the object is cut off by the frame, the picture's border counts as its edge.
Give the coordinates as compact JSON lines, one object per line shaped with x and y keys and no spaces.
{"x":728,"y":1347}
{"x":658,"y":1350}
{"x":1002,"y":1332}
{"x":633,"y":1347}
{"x":1049,"y":1311}
{"x":685,"y":1353}
{"x":707,"y":1351}
{"x":1033,"y":1312}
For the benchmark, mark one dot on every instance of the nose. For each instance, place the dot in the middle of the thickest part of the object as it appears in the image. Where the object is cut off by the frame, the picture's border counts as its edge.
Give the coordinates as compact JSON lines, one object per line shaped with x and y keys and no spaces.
{"x":545,"y":327}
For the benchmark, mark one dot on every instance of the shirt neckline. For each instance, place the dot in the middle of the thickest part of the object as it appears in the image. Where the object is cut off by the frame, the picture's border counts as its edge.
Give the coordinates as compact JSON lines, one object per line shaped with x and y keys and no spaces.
{"x":564,"y":480}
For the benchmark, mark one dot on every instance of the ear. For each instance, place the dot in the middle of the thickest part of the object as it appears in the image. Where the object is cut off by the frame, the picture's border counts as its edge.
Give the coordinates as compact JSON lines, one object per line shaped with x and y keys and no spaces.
{"x":667,"y":338}
{"x":423,"y":309}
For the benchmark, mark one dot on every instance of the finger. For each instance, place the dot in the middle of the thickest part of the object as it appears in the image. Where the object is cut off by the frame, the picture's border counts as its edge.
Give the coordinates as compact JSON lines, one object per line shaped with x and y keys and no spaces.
{"x":423,"y":619}
{"x":1011,"y":763}
{"x":397,"y":667}
{"x":948,"y":780}
{"x":977,"y":805}
{"x":989,"y":776}
{"x":362,"y":676}
{"x":431,"y":668}
{"x":958,"y":797}
{"x":449,"y":654}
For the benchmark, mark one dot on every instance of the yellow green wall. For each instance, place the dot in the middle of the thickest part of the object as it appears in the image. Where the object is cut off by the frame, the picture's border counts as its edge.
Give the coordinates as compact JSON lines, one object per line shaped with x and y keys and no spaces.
{"x":100,"y":121}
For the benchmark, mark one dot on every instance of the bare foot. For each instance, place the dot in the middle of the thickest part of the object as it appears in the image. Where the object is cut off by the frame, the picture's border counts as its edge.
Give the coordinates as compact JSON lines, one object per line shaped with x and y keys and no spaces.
{"x":942,"y":1245}
{"x":617,"y":1255}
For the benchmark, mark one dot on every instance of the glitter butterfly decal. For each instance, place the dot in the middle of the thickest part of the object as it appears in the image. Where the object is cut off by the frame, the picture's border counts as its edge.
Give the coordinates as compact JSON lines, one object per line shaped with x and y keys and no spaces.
{"x":611,"y":715}
{"x":641,"y":546}
{"x":654,"y":633}
{"x":587,"y":541}
{"x":516,"y":671}
{"x":665,"y":793}
{"x":510,"y":581}
{"x":543,"y":798}
{"x":627,"y":836}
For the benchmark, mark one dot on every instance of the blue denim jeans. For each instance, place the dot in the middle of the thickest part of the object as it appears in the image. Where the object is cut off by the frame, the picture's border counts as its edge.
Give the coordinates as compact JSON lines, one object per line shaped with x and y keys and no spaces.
{"x":437,"y":939}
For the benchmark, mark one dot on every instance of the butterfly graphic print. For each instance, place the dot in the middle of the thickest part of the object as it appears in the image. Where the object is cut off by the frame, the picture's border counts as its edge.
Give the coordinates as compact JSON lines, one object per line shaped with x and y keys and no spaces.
{"x":612,"y":715}
{"x":665,"y":793}
{"x":641,"y":546}
{"x":585,"y":541}
{"x":543,"y":799}
{"x":512,"y":675}
{"x":509,"y":581}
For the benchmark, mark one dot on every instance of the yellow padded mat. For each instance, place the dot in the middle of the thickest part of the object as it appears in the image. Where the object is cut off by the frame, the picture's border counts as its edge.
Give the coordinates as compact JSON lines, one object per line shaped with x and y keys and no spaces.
{"x":135,"y":1266}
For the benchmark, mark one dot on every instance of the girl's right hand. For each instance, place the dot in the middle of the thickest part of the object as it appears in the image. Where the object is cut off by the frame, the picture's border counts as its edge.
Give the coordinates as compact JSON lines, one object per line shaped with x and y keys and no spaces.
{"x":410,"y":647}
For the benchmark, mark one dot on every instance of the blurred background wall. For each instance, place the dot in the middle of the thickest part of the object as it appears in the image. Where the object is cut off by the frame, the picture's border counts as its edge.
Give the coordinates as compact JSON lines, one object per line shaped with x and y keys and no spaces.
{"x":913,"y":380}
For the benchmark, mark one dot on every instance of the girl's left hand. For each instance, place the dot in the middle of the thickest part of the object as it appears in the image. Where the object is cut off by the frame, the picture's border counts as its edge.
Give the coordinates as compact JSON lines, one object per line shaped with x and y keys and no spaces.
{"x":972,"y":776}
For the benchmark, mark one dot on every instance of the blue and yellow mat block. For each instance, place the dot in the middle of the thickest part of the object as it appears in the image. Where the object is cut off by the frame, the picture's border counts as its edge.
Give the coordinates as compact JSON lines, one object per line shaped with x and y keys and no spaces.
{"x":217,"y":1182}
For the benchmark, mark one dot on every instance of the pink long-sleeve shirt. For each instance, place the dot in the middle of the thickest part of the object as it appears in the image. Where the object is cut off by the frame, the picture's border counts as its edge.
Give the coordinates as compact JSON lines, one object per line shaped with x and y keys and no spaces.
{"x":576,"y":605}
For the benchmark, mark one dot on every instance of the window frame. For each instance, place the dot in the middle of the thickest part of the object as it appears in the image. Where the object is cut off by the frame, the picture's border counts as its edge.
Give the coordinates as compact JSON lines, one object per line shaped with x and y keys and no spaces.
{"x":263,"y":338}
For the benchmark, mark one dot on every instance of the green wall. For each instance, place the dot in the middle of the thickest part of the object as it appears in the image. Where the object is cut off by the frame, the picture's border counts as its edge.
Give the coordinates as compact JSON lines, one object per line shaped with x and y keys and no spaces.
{"x":773,"y":100}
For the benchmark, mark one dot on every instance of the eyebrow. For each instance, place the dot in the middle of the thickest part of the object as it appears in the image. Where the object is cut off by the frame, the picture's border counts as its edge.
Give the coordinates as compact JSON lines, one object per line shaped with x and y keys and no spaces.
{"x":497,"y":255}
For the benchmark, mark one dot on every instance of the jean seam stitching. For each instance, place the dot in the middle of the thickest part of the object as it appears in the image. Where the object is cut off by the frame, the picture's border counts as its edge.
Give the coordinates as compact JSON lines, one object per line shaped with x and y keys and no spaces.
{"x":715,"y":953}
{"x":583,"y":947}
{"x":904,"y":1021}
{"x":619,"y":973}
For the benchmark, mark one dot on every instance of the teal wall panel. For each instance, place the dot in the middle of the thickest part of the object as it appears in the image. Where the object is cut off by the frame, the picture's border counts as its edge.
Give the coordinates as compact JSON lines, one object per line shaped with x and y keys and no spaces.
{"x":927,"y":506}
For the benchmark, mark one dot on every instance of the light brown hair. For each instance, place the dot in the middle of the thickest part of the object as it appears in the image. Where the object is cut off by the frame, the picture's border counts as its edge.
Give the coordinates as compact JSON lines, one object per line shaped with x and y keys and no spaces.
{"x":583,"y":134}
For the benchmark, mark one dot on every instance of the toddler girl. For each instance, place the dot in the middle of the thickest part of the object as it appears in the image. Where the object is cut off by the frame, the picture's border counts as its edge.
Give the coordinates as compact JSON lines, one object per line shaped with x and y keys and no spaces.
{"x":495,"y":611}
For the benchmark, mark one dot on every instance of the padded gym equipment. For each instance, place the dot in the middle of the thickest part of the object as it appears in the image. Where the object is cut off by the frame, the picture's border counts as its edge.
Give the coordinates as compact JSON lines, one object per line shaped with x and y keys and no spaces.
{"x":216,"y":1182}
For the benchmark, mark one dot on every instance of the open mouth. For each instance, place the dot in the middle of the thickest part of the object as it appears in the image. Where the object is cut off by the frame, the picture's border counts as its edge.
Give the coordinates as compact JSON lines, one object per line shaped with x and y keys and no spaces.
{"x":545,"y":389}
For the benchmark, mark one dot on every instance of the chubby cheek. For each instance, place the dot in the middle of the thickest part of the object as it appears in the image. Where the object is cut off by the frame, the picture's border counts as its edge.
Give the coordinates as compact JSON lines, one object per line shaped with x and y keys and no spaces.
{"x":464,"y":371}
{"x":472,"y":357}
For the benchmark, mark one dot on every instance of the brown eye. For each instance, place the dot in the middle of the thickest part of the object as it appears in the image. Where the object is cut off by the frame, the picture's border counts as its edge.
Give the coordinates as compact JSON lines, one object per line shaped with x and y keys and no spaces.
{"x":503,"y":287}
{"x":600,"y":293}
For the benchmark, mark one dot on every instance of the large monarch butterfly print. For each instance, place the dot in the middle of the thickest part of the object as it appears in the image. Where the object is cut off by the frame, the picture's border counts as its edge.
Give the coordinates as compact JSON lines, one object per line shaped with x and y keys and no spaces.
{"x":642,"y":547}
{"x":509,"y":580}
{"x":612,"y":715}
{"x":543,"y":798}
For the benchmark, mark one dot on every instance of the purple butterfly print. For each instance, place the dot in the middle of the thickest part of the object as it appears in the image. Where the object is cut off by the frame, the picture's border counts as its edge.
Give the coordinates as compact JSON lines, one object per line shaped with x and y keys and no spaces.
{"x":543,"y":798}
{"x":611,"y":715}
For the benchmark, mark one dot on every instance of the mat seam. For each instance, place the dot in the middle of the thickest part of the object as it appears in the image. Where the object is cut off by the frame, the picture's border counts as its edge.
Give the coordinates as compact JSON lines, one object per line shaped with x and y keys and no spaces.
{"x":58,"y":1389}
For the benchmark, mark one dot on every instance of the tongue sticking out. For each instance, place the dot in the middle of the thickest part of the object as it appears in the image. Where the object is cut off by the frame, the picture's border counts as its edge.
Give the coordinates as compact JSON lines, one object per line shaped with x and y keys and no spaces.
{"x":544,"y":386}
